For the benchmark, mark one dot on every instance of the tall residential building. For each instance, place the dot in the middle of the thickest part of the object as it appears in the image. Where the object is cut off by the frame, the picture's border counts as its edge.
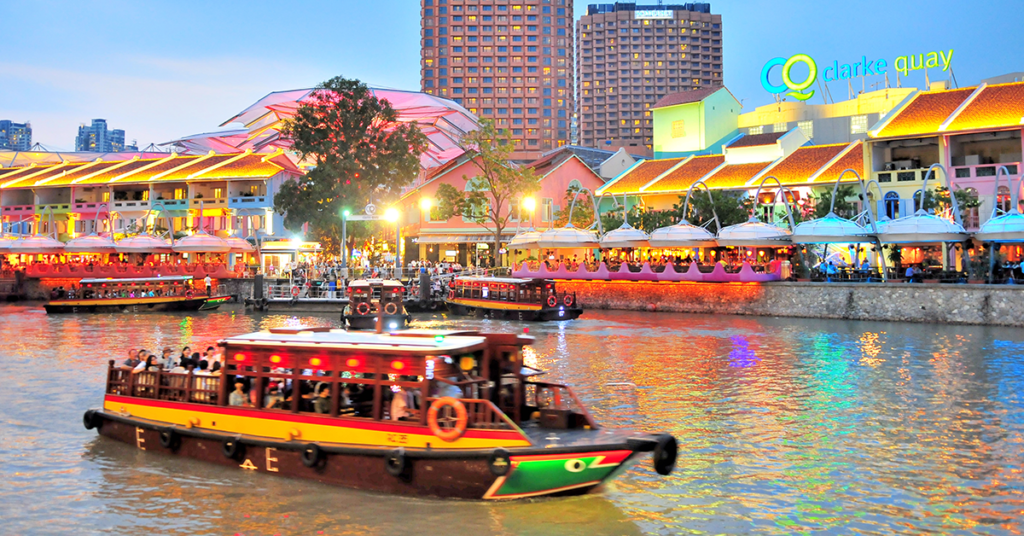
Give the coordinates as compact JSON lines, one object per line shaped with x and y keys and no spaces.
{"x":630,"y":56}
{"x":15,"y":136}
{"x":510,"y":61}
{"x":97,"y":138}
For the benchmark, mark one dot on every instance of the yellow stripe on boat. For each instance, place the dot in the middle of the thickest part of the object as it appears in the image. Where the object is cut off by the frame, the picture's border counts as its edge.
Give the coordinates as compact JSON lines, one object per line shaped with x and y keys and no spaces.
{"x":508,"y":306}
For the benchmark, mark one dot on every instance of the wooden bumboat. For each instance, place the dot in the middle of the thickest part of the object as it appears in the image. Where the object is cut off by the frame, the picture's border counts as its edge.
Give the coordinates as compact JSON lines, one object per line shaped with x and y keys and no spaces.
{"x":171,"y":293}
{"x":367,"y":298}
{"x":514,"y":298}
{"x":473,"y":421}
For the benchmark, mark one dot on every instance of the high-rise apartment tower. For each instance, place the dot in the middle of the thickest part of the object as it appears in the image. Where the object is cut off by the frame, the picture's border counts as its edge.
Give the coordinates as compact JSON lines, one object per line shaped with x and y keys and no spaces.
{"x":510,"y":61}
{"x":630,"y":56}
{"x":15,"y":136}
{"x":96,"y":137}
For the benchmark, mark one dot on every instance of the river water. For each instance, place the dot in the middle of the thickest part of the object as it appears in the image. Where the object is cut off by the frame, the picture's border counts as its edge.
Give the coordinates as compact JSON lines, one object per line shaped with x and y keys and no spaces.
{"x":785,"y":426}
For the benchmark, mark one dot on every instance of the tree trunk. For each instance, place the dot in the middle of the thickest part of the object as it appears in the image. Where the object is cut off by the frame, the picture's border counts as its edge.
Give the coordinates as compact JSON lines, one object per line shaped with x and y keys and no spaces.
{"x":497,"y":247}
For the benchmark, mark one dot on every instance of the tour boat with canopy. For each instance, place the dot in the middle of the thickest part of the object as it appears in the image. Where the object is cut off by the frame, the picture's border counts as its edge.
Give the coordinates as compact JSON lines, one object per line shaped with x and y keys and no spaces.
{"x":508,"y":297}
{"x":365,"y":296}
{"x":454,"y":414}
{"x":167,"y":293}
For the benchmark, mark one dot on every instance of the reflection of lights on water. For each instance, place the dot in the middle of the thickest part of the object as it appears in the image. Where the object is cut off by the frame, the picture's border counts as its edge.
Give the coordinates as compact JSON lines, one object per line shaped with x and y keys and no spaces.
{"x":741,"y":355}
{"x":529,"y":357}
{"x":870,"y":349}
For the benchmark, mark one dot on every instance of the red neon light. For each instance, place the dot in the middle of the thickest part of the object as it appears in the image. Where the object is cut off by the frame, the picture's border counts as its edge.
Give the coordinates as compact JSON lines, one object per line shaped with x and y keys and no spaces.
{"x":240,"y":357}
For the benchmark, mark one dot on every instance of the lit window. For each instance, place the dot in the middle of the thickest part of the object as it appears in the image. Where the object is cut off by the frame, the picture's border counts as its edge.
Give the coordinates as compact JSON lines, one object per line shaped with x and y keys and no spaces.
{"x":779,"y":127}
{"x":858,"y":124}
{"x":753,"y":131}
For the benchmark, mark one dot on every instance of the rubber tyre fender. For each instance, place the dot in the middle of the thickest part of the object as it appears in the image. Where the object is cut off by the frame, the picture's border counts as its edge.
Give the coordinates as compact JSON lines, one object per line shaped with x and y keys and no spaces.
{"x":91,"y":420}
{"x":169,"y":439}
{"x":499,"y":462}
{"x":311,"y":455}
{"x":665,"y":455}
{"x":395,"y":462}
{"x":232,"y":448}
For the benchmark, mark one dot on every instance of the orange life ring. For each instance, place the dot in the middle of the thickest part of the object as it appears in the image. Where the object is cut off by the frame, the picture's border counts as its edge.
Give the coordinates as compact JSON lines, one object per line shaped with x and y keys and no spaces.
{"x":363,"y":308}
{"x":451,"y":294}
{"x":189,"y":294}
{"x":552,"y":301}
{"x":295,"y":291}
{"x":567,"y":300}
{"x":390,"y":309}
{"x":461,"y":419}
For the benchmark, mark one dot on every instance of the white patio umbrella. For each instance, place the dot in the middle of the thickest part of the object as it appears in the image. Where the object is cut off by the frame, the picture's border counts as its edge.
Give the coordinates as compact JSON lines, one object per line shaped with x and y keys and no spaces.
{"x":684,"y":234}
{"x":625,"y":237}
{"x":38,"y":244}
{"x":525,"y":239}
{"x":239,"y":245}
{"x":92,"y":243}
{"x":1009,"y":227}
{"x":753,"y":233}
{"x":201,"y":243}
{"x":143,"y":243}
{"x":830,"y":229}
{"x":568,"y":237}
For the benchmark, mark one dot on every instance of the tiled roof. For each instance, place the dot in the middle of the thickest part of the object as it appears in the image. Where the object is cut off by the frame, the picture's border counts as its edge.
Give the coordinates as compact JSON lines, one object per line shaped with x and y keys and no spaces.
{"x":755,"y":140}
{"x":685,"y":175}
{"x":996,"y":106}
{"x":685,"y":97}
{"x":246,"y":166}
{"x":115,"y":171}
{"x":187,"y":168}
{"x":852,"y":160}
{"x":925,"y":113}
{"x":804,"y":162}
{"x":735,"y":176}
{"x":32,"y":176}
{"x":640,"y":175}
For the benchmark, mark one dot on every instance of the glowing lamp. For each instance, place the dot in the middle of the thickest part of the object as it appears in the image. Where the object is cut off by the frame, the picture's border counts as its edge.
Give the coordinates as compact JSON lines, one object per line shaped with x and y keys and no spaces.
{"x":315,"y":362}
{"x":391,"y":214}
{"x":397,"y":365}
{"x":240,"y":357}
{"x":352,"y":362}
{"x":425,"y":203}
{"x":275,"y":359}
{"x":526,"y":330}
{"x":438,"y":338}
{"x":529,"y":203}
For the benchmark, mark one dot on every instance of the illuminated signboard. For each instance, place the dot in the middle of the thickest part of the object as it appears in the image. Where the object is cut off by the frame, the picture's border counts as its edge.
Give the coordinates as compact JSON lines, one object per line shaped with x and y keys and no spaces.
{"x":800,"y":89}
{"x":652,"y":14}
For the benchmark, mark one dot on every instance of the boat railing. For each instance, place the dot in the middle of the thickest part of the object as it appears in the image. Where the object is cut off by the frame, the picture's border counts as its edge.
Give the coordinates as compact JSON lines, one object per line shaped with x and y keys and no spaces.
{"x":163,"y":385}
{"x":556,"y":396}
{"x":483,"y":414}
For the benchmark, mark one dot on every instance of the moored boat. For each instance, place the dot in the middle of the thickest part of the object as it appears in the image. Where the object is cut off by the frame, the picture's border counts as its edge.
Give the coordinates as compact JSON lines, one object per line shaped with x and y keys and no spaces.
{"x":509,"y":297}
{"x":367,"y":298}
{"x":167,"y":293}
{"x":424,"y":413}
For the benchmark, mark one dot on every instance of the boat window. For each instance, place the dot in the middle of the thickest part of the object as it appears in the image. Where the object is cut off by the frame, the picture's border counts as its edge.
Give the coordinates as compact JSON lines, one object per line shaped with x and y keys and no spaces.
{"x":485,"y":292}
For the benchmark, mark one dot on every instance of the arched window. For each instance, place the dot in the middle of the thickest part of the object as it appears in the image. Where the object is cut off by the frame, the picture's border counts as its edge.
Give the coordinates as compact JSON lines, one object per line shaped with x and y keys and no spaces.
{"x":970,"y":215}
{"x":892,"y":205}
{"x":574,"y":185}
{"x":918,"y":199}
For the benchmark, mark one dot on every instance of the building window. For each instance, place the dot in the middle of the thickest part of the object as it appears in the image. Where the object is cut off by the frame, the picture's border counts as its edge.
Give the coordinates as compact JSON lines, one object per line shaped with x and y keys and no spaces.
{"x":858,"y":124}
{"x":892,"y":205}
{"x":218,"y":193}
{"x":547,"y":212}
{"x":753,"y":131}
{"x":807,"y":127}
{"x":779,"y":127}
{"x":179,"y":193}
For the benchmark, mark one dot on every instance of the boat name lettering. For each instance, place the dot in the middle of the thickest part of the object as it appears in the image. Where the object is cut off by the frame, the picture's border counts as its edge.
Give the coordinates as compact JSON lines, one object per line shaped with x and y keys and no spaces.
{"x":400,"y":439}
{"x":248,"y":465}
{"x":269,"y":459}
{"x":139,"y":440}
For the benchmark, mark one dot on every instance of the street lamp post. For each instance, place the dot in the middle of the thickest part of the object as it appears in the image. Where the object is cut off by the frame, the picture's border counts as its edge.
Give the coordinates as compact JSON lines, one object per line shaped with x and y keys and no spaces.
{"x":392,"y":215}
{"x":344,"y":244}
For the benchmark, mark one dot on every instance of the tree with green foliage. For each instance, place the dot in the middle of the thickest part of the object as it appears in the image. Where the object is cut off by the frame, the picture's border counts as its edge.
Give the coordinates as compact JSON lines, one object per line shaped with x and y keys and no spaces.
{"x":357,"y":149}
{"x":490,"y":198}
{"x":938,"y":200}
{"x":844,"y":207}
{"x":582,"y":212}
{"x":732,"y":207}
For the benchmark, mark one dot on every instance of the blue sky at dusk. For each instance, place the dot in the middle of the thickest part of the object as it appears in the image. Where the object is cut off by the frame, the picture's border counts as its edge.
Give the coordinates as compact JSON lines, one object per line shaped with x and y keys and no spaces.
{"x":160,"y":71}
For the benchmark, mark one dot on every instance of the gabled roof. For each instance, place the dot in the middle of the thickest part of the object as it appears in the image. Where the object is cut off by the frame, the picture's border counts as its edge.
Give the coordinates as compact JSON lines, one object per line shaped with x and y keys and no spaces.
{"x":994,"y":106}
{"x":800,"y":167}
{"x":853,"y":159}
{"x":687,"y":97}
{"x":757,"y":140}
{"x":639,"y":175}
{"x":590,"y":156}
{"x":684,"y":176}
{"x":735,"y":175}
{"x":924,"y":114}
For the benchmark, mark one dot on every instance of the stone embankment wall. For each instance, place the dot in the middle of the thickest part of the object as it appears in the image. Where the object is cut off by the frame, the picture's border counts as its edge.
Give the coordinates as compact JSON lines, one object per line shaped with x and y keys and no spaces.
{"x":1001,"y":305}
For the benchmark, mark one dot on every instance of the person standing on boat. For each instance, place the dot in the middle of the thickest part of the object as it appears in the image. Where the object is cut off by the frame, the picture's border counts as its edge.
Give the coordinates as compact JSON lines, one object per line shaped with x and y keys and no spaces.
{"x":209,"y":285}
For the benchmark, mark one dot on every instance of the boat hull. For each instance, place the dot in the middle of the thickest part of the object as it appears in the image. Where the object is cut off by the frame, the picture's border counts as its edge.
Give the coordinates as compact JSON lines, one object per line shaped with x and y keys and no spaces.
{"x":125,"y":305}
{"x":531,"y":472}
{"x":370,"y":321}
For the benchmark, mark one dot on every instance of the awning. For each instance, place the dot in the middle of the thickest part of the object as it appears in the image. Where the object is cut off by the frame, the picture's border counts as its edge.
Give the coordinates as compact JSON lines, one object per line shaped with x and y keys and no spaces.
{"x":458,"y":239}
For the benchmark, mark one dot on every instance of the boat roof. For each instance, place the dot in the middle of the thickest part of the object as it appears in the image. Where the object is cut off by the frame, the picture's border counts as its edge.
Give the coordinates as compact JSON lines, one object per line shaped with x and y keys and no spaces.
{"x":501,"y":279}
{"x":162,"y":279}
{"x":375,"y":282}
{"x":361,"y":341}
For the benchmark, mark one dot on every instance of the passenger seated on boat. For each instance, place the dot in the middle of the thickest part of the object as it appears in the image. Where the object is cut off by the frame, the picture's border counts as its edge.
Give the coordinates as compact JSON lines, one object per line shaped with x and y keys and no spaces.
{"x":273,"y":399}
{"x":402,"y":404}
{"x":168,"y":358}
{"x":144,"y":364}
{"x":238,"y":397}
{"x":322,"y":400}
{"x":133,"y":358}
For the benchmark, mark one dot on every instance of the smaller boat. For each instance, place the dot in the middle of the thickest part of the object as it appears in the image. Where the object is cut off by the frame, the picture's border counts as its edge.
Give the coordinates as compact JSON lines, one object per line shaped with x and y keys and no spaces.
{"x":368,"y":297}
{"x":506,"y":297}
{"x":136,"y":295}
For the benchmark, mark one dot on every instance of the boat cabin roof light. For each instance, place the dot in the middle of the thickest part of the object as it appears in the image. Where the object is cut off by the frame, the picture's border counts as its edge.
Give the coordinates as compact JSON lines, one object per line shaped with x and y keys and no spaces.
{"x":358,"y":341}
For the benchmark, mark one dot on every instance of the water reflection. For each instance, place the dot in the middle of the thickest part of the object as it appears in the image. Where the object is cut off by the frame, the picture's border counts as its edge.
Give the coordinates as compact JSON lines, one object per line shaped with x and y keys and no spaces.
{"x":784,"y":426}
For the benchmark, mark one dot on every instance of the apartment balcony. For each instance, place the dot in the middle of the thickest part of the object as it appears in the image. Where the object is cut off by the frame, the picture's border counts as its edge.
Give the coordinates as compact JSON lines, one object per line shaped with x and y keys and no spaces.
{"x":209,"y":202}
{"x":173,"y":204}
{"x":249,"y":202}
{"x":55,"y":208}
{"x":88,"y":208}
{"x":984,"y":170}
{"x":899,"y":176}
{"x":19,"y":210}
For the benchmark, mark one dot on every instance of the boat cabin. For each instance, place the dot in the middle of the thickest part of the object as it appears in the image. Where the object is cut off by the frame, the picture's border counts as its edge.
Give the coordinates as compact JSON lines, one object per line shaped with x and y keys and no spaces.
{"x":134,"y":287}
{"x":504,"y":289}
{"x":371,"y":291}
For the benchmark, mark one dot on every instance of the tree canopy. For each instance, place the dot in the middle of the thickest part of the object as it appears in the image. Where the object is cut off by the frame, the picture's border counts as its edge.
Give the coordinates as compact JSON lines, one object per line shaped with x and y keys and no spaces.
{"x":358,"y":151}
{"x":492,"y":196}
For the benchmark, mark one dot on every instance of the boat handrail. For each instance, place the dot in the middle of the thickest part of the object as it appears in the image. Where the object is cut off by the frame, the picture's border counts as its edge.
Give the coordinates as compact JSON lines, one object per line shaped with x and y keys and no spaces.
{"x":557,"y":399}
{"x":481,"y":413}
